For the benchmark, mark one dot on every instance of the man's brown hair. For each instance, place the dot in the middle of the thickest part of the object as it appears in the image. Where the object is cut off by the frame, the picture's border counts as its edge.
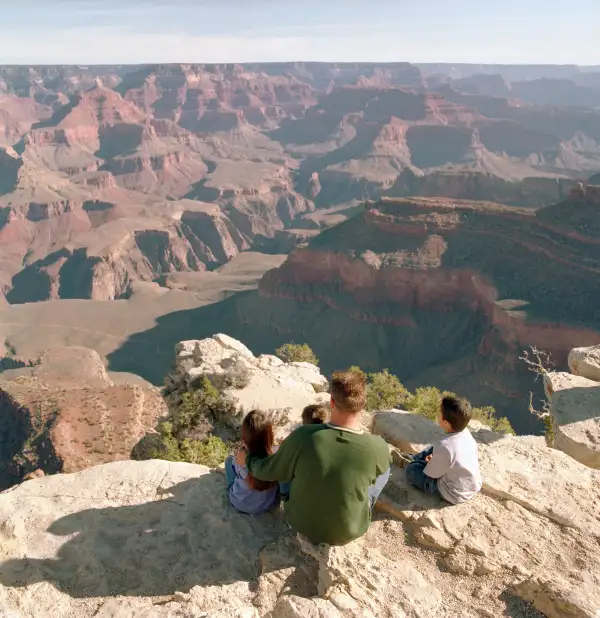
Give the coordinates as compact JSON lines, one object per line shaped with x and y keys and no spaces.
{"x":456,"y":411}
{"x":315,"y":414}
{"x":349,"y":390}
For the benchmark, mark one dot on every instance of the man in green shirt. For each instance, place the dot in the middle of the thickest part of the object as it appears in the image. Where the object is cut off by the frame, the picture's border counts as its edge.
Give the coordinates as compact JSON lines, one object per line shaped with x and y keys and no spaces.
{"x":336,"y":470}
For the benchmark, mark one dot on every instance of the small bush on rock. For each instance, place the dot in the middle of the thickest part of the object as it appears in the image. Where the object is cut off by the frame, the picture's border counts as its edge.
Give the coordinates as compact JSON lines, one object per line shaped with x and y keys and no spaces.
{"x":159,"y":445}
{"x":211,"y":452}
{"x":296,"y":353}
{"x":384,"y":390}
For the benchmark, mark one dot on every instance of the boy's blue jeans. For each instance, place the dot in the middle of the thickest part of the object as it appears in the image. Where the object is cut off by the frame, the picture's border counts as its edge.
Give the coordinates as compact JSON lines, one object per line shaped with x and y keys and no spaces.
{"x":415,"y":474}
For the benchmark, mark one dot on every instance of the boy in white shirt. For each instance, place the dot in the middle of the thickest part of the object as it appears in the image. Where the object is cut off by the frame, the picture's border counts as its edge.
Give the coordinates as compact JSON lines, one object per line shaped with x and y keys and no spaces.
{"x":451,"y":469}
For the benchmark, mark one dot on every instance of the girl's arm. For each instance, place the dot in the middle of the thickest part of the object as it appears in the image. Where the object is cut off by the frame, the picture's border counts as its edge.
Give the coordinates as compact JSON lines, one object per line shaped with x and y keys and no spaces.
{"x":279,"y":466}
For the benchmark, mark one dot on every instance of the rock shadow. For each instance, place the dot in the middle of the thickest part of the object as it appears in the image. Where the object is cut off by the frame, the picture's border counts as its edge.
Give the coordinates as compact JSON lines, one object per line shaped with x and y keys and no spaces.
{"x":189,"y":536}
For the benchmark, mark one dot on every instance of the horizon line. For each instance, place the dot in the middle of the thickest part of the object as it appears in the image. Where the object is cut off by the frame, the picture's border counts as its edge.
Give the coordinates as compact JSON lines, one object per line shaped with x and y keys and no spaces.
{"x":339,"y":62}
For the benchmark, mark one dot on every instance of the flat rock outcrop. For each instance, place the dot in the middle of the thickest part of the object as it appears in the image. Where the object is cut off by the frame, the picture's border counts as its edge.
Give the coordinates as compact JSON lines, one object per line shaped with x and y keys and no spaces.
{"x":575,"y":407}
{"x":158,"y":539}
{"x":248,"y":381}
{"x":65,"y":414}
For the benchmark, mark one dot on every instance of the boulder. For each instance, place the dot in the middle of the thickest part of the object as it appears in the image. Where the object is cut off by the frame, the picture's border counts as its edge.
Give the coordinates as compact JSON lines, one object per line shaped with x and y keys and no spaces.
{"x":535,"y":518}
{"x":409,"y":432}
{"x":557,"y":597}
{"x":412,"y":433}
{"x":575,"y":414}
{"x":585,"y":362}
{"x":248,"y":381}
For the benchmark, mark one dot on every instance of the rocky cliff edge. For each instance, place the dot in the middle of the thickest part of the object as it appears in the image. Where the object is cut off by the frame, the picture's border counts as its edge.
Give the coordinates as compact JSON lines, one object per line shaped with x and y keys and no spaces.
{"x":157,"y":539}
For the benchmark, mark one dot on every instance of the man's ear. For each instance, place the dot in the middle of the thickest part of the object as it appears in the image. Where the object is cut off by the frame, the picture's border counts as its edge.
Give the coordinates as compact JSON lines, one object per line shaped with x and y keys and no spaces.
{"x":331,"y":403}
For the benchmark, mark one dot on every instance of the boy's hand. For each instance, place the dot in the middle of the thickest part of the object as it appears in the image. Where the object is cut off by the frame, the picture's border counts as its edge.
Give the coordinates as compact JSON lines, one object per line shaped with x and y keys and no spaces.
{"x":241,"y":456}
{"x":428,"y":458}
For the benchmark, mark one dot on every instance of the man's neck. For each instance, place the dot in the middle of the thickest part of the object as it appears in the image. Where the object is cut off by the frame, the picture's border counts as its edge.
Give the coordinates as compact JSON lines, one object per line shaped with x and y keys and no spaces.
{"x":346,"y":420}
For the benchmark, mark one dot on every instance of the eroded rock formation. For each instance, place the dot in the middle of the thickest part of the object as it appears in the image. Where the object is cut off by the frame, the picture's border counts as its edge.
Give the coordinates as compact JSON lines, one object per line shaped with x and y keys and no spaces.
{"x":443,"y":292}
{"x":249,"y":382}
{"x":200,"y":162}
{"x":64,"y":414}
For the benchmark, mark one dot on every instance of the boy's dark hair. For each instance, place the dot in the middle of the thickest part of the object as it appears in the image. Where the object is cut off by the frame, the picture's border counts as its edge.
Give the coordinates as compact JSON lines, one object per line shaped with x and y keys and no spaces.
{"x":456,"y":411}
{"x":315,"y":414}
{"x":349,"y":390}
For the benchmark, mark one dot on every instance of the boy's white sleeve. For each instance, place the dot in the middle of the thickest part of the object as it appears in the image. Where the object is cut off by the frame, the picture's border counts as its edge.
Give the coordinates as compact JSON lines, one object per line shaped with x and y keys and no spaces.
{"x":440,"y":462}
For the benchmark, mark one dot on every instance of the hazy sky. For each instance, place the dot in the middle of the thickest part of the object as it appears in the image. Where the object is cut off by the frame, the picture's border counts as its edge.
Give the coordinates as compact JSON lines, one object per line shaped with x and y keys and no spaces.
{"x":133,"y":31}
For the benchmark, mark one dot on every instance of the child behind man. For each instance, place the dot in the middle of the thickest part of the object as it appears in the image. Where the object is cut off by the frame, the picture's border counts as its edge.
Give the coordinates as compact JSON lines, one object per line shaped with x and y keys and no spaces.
{"x":451,"y":469}
{"x":314,"y":414}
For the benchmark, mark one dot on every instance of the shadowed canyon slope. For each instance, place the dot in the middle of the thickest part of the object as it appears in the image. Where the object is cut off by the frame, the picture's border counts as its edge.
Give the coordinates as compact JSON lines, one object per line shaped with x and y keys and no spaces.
{"x":110,"y":175}
{"x":442,"y":292}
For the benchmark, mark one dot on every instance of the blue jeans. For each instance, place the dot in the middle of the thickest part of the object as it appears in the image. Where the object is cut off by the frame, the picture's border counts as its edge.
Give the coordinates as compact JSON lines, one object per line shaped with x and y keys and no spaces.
{"x":284,"y":491}
{"x":415,"y":474}
{"x":377,"y":487}
{"x":229,"y":472}
{"x":374,"y":490}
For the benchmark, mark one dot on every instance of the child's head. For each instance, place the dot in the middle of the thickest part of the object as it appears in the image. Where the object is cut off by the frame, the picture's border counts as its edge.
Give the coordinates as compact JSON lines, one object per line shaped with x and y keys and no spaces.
{"x":257,"y":433}
{"x":258,"y":438}
{"x":455,"y":414}
{"x":348,"y":391}
{"x":315,"y":414}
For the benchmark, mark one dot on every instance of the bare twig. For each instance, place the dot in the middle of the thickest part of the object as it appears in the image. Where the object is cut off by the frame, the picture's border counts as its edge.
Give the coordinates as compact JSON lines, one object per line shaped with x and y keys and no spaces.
{"x":544,"y":412}
{"x":537,"y":361}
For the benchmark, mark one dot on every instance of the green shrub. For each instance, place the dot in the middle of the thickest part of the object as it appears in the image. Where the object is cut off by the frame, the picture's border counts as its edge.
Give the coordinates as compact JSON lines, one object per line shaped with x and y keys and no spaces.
{"x":211,"y":452}
{"x":384,"y":391}
{"x":487,"y":416}
{"x":296,"y":353}
{"x":425,"y":402}
{"x":161,"y":445}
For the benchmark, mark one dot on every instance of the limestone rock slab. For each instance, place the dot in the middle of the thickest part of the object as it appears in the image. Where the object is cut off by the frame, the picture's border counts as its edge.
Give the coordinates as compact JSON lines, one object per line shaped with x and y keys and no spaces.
{"x":575,"y":412}
{"x":130,"y":531}
{"x":585,"y":362}
{"x":409,"y":432}
{"x":374,"y":587}
{"x":542,"y":480}
{"x":412,"y":433}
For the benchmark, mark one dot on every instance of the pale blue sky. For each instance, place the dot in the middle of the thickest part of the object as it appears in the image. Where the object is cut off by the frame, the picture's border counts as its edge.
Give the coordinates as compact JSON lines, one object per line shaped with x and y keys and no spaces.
{"x":135,"y":31}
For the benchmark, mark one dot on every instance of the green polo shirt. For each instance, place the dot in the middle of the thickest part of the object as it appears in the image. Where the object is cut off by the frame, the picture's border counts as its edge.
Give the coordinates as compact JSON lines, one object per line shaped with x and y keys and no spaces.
{"x":331,"y":469}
